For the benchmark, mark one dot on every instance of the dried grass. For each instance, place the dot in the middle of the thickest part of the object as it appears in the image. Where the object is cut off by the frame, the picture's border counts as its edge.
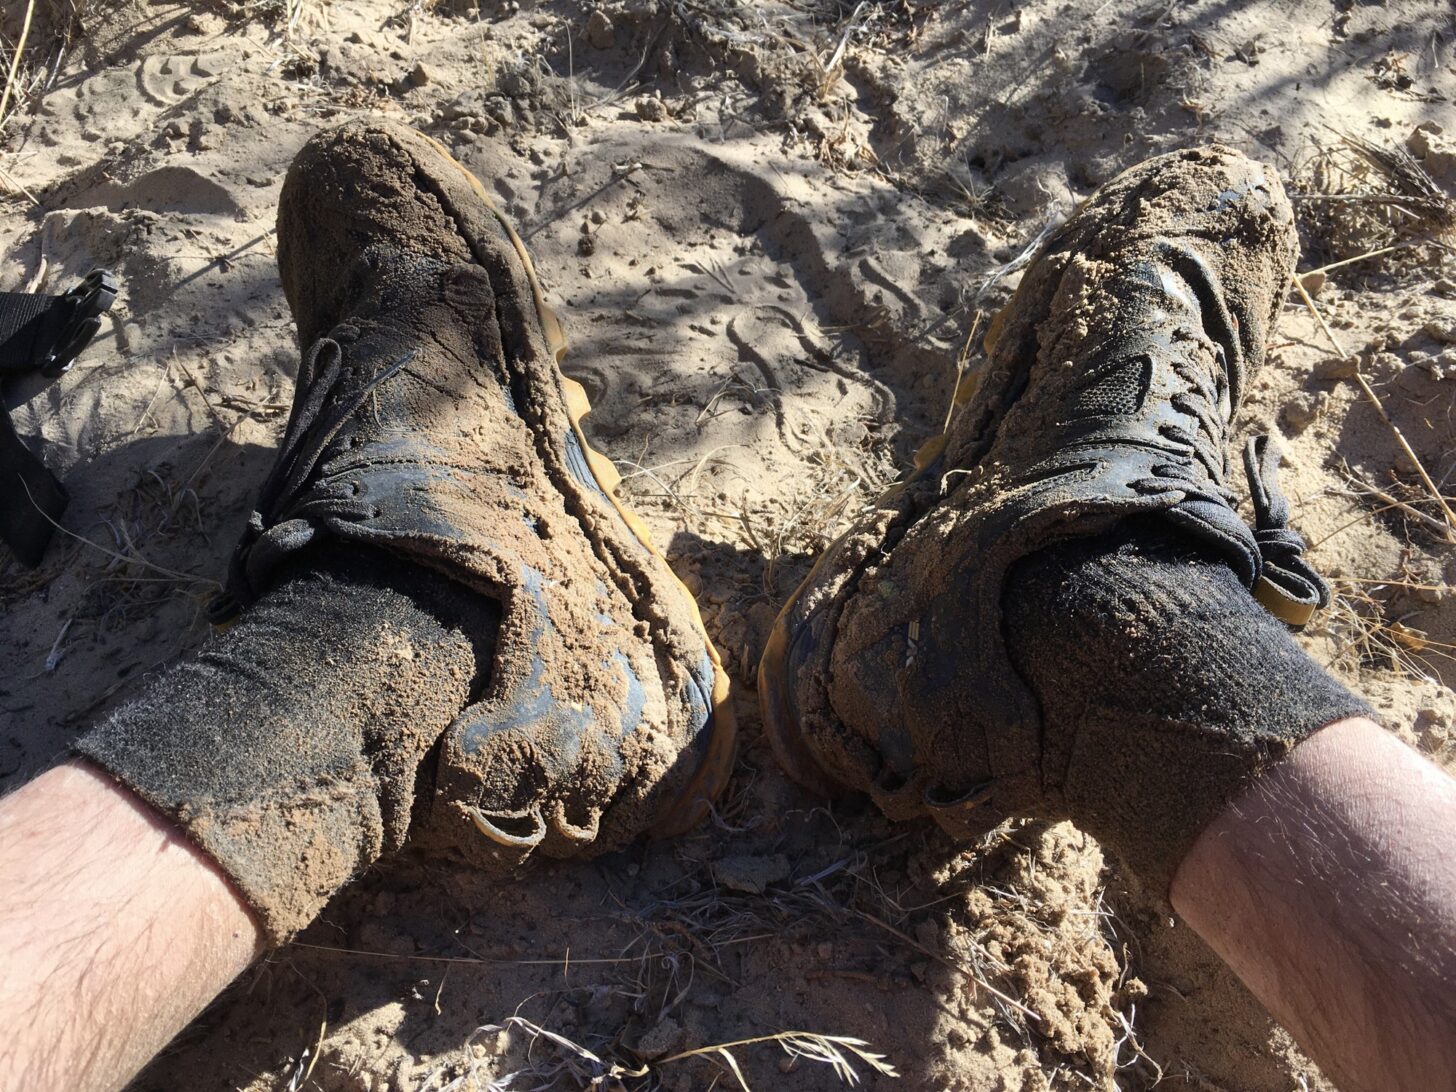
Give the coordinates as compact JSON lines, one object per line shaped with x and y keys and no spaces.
{"x":1358,"y":201}
{"x":1366,"y":636}
{"x":31,"y":64}
{"x":293,"y":18}
{"x":17,"y":52}
{"x":295,"y":22}
{"x":587,"y":1070}
{"x":1433,"y":492}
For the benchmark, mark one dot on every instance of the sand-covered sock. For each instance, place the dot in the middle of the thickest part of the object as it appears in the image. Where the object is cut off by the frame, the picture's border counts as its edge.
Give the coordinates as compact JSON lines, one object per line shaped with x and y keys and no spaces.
{"x":1164,"y":687}
{"x":289,"y":749}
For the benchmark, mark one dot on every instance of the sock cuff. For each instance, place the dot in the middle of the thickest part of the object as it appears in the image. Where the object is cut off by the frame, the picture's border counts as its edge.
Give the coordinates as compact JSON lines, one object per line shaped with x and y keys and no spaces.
{"x":1164,"y":687}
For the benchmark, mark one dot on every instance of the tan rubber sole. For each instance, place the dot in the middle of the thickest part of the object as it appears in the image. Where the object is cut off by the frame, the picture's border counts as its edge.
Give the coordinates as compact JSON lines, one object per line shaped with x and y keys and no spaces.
{"x":691,"y":806}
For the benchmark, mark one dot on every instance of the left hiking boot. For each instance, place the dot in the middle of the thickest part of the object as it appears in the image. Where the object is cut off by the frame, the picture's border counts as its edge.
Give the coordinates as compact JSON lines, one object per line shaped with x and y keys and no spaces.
{"x":431,"y":420}
{"x":1111,"y":381}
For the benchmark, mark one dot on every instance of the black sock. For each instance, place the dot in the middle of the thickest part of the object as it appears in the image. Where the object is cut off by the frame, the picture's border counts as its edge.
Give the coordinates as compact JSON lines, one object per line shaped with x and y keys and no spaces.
{"x":1164,"y":686}
{"x":290,"y":746}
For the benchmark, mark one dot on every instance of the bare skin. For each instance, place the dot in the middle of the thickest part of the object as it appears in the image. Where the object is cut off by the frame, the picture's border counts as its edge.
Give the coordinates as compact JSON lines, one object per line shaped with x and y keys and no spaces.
{"x":114,"y":932}
{"x":1330,"y":889}
{"x":1327,"y":887}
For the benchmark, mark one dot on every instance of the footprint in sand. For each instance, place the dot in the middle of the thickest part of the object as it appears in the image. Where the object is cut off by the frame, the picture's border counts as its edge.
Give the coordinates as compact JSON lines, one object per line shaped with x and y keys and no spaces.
{"x":168,"y":80}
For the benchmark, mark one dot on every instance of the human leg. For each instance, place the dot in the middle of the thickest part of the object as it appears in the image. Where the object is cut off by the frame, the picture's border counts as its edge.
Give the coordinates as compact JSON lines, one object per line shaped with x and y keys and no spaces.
{"x":1107,"y":397}
{"x":1329,"y":887}
{"x":1326,"y":882}
{"x":431,"y":423}
{"x":114,"y":932}
{"x":116,"y":928}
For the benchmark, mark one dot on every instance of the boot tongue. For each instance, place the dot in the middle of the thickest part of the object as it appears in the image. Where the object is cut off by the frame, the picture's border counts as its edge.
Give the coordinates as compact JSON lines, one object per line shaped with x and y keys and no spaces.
{"x":407,"y":309}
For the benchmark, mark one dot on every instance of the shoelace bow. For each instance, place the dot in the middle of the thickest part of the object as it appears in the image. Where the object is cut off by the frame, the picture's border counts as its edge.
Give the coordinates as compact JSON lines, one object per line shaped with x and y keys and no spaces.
{"x":1288,"y":585}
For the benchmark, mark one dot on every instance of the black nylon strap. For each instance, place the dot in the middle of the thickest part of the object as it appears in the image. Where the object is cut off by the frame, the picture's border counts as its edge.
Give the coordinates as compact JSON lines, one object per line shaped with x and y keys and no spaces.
{"x":31,"y":498}
{"x":27,"y":323}
{"x":40,"y":334}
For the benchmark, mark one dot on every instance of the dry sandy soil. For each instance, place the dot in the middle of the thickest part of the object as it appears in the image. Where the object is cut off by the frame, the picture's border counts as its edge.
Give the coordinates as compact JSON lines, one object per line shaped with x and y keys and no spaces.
{"x":771,"y":227}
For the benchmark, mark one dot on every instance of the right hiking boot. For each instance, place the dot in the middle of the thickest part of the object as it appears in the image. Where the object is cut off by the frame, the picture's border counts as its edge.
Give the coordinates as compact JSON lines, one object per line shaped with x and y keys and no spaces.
{"x":1111,"y":381}
{"x":431,"y":420}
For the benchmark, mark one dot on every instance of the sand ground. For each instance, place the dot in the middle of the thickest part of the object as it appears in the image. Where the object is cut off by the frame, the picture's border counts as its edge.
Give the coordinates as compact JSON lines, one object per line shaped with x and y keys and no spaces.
{"x":771,"y":228}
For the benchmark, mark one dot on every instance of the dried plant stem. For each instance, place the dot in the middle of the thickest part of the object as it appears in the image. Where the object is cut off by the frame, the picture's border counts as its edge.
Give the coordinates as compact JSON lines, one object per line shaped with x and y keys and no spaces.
{"x":1357,"y":258}
{"x":839,"y":1052}
{"x":9,"y":92}
{"x":781,"y":1037}
{"x":1370,"y":395}
{"x":1381,"y":495}
{"x":962,"y":360}
{"x":135,"y":558}
{"x":1397,"y":200}
{"x":1410,"y":585}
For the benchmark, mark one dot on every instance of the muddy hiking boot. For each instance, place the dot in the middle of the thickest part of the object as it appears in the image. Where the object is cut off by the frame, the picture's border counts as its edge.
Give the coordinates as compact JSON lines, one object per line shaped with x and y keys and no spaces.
{"x":1104,"y":408}
{"x":431,"y":425}
{"x":432,"y":420}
